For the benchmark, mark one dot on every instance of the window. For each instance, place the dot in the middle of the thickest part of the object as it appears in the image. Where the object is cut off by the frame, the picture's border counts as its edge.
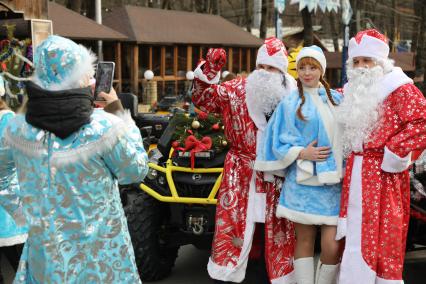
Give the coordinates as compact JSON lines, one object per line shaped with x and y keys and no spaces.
{"x":143,"y":59}
{"x":243,"y":60}
{"x":253,"y":55}
{"x":182,"y":61}
{"x":169,"y":59}
{"x":236,"y":60}
{"x":156,"y":60}
{"x":195,"y":56}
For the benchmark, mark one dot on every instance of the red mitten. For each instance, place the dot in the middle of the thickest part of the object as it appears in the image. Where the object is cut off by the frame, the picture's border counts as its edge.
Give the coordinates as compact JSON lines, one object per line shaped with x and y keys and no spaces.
{"x":215,"y":60}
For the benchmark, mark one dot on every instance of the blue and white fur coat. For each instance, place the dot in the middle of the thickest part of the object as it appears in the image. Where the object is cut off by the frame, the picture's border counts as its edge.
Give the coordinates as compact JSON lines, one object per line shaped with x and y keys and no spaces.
{"x":311,"y":191}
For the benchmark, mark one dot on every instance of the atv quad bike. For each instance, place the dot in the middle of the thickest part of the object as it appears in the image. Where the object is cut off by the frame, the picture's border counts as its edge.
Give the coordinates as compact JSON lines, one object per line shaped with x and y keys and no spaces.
{"x":173,"y":206}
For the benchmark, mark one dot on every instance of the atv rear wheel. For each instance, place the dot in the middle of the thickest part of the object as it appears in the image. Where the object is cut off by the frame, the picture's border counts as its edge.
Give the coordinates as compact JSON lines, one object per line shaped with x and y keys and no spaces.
{"x":144,"y":218}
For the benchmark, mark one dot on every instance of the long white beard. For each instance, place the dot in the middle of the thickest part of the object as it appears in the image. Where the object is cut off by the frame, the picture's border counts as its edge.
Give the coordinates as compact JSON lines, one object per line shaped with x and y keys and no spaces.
{"x":359,"y":112}
{"x":264,"y":90}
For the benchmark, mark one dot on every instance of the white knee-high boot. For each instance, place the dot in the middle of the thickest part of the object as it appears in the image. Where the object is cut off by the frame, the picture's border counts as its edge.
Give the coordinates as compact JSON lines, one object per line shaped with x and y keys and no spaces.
{"x":326,"y":273}
{"x":304,"y":270}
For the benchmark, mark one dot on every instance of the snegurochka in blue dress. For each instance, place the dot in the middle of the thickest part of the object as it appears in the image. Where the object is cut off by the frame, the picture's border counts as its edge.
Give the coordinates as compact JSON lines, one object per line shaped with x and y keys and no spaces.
{"x":302,"y":138}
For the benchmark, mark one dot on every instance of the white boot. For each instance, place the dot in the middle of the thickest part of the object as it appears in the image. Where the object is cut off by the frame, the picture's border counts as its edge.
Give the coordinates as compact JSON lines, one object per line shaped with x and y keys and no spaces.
{"x":304,"y":270}
{"x":326,"y":273}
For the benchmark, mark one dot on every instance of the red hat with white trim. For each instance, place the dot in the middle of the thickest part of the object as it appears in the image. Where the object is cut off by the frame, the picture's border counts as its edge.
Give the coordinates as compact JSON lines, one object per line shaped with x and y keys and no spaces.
{"x":369,"y":43}
{"x":273,"y":53}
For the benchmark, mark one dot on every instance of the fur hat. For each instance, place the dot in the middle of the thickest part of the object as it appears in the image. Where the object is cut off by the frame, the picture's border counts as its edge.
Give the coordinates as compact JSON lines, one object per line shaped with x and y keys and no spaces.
{"x":314,"y":52}
{"x":369,"y":43}
{"x":61,"y":64}
{"x":273,"y":53}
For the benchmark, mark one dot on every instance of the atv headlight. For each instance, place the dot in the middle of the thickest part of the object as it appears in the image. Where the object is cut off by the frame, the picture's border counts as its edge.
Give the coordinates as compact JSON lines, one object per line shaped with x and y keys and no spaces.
{"x":152,"y":174}
{"x":161,"y":180}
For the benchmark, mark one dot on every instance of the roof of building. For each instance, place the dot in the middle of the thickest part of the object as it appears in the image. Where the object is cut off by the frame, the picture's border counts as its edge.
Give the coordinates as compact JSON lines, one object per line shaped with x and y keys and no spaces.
{"x":158,"y":26}
{"x":71,"y":24}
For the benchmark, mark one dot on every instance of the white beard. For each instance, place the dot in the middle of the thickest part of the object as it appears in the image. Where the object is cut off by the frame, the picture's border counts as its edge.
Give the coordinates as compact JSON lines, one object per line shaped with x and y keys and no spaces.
{"x":264,"y":90}
{"x":360,"y":110}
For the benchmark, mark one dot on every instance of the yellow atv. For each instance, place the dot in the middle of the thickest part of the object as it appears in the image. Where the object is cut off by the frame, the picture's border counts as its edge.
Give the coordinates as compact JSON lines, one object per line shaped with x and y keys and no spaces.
{"x":174,"y":205}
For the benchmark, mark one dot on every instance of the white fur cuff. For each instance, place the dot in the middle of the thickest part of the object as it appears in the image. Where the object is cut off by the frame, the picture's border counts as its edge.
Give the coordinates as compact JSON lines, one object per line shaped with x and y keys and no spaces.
{"x":392,"y":163}
{"x":198,"y":73}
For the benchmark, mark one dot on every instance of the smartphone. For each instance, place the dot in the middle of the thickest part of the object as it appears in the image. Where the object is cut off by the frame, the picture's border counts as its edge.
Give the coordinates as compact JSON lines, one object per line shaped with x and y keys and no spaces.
{"x":104,"y":77}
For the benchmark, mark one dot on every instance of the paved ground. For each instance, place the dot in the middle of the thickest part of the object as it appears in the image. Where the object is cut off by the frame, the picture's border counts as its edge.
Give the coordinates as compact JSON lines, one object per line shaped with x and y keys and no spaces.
{"x":191,"y":269}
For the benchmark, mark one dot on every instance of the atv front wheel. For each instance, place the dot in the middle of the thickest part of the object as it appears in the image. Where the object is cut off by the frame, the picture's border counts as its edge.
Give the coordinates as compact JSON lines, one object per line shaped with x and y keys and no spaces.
{"x":144,"y":218}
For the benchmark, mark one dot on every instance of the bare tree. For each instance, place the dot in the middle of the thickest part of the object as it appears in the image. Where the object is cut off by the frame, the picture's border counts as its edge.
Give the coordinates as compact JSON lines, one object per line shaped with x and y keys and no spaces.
{"x":264,"y":19}
{"x":308,"y":34}
{"x":248,"y":16}
{"x":333,"y":30}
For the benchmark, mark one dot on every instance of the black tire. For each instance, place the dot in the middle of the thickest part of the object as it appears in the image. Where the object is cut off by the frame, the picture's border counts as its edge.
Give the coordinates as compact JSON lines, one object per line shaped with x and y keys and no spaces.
{"x":144,"y":218}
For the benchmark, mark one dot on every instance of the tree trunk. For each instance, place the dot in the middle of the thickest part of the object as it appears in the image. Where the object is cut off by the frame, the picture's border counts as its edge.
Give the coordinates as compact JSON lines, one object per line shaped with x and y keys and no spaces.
{"x":392,"y":31}
{"x":334,"y":33}
{"x":247,"y":15}
{"x":308,"y":35}
{"x":264,"y":19}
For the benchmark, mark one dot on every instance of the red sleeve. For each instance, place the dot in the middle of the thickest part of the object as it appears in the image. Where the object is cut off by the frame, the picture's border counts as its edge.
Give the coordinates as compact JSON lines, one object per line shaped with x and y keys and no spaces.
{"x":410,"y":105}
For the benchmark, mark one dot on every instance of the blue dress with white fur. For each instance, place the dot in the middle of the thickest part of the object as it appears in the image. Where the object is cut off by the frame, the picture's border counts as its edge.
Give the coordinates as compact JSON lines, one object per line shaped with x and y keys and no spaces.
{"x":311,"y":191}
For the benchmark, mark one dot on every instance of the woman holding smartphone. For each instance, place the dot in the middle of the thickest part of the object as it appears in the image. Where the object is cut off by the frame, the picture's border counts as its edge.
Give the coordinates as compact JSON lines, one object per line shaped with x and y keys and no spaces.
{"x":302,"y":139}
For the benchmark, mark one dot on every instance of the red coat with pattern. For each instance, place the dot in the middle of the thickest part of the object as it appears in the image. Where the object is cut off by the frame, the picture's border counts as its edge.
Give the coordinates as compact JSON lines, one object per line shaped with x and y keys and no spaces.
{"x":385,"y":196}
{"x":228,"y":99}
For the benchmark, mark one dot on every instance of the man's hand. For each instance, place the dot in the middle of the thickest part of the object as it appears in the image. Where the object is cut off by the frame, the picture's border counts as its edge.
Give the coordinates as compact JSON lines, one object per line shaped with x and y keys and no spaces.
{"x":215,"y":60}
{"x":311,"y":153}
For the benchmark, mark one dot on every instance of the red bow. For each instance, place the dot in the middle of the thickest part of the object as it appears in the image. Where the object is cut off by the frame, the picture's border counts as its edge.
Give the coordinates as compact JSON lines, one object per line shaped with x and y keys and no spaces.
{"x":194,"y":145}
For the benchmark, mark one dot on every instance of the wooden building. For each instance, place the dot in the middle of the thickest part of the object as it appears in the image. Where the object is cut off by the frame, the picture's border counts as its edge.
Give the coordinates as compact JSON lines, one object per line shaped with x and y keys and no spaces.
{"x":30,"y":9}
{"x":170,"y":43}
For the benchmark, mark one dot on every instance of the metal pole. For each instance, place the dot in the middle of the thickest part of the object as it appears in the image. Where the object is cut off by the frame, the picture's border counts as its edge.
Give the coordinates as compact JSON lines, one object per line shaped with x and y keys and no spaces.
{"x":343,"y":78}
{"x":98,"y":9}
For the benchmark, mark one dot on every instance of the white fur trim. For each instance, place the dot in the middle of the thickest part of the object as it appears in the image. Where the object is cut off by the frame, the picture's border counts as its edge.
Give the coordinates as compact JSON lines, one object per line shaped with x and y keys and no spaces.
{"x":278,"y":60}
{"x":353,"y":265}
{"x":392,"y":81}
{"x":286,"y":279}
{"x":315,"y":54}
{"x":98,"y":147}
{"x":392,"y":163}
{"x":5,"y":111}
{"x":226,"y":273}
{"x":305,"y":173}
{"x":305,"y":218}
{"x":291,"y":156}
{"x":329,"y":177}
{"x":83,"y":153}
{"x":198,"y":73}
{"x":19,"y":239}
{"x":368,"y":47}
{"x":333,"y":130}
{"x":341,"y":228}
{"x":29,"y":148}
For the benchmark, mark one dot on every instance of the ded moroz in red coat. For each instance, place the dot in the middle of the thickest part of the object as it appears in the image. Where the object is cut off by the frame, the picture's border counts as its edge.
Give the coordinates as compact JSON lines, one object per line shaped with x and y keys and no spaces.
{"x":244,"y":197}
{"x":375,"y":203}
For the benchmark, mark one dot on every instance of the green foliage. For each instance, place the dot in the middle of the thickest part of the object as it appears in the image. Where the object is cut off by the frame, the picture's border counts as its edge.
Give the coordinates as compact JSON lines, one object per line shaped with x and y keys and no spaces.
{"x":184,"y":128}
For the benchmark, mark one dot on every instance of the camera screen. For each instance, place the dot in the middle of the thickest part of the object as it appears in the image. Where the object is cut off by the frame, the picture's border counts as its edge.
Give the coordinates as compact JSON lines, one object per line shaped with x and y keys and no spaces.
{"x":104,"y":77}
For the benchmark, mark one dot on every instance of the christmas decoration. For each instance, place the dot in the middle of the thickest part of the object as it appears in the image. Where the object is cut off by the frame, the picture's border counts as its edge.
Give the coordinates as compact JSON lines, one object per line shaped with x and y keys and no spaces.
{"x":195,"y":124}
{"x":224,"y":143}
{"x":175,"y":144}
{"x":202,"y":115}
{"x":184,"y":128}
{"x":16,"y":66}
